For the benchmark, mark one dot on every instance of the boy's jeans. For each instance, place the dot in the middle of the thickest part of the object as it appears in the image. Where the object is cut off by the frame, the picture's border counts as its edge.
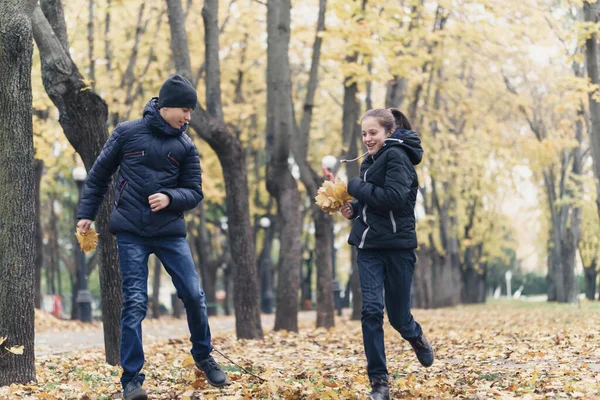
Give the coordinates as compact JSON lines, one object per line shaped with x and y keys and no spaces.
{"x":175,"y":255}
{"x":391,"y":270}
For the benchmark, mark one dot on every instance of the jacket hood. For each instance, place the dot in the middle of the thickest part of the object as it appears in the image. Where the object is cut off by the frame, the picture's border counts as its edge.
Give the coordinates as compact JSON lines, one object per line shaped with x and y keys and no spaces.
{"x":156,"y":122}
{"x":410,"y":143}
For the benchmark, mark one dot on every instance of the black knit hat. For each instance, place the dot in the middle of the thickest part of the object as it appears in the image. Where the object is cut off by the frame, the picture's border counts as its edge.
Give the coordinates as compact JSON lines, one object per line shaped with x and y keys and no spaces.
{"x":177,"y":92}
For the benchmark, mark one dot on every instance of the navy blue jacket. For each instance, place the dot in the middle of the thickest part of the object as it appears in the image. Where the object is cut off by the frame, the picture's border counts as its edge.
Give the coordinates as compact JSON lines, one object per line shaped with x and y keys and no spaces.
{"x":154,"y":158}
{"x":385,"y":195}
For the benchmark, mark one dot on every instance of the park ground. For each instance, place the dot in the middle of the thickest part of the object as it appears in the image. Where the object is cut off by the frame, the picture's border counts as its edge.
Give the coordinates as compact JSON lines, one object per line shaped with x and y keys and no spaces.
{"x":503,"y":350}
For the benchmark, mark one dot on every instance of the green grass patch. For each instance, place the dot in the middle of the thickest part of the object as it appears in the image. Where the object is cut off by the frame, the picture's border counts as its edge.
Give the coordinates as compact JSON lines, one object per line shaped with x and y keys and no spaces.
{"x":52,"y":385}
{"x":232,"y":368}
{"x":490,"y":377}
{"x":88,"y":377}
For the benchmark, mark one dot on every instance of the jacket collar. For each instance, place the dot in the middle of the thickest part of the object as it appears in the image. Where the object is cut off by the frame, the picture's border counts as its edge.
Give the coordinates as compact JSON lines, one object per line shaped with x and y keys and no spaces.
{"x":156,"y":123}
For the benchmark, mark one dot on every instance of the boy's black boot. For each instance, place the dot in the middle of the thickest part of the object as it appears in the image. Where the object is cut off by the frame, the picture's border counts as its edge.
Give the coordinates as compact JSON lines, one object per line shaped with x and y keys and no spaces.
{"x":423,"y":350}
{"x":214,"y":374}
{"x":379,"y":389}
{"x":134,"y":391}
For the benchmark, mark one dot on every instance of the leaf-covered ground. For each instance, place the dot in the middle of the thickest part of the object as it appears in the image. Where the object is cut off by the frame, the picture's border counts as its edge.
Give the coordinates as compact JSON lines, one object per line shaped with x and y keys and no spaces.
{"x":499,"y":350}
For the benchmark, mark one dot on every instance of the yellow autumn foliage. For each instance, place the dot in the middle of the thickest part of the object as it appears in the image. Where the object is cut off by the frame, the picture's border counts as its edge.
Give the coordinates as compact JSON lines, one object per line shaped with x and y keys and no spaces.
{"x":87,"y":241}
{"x":331,"y":196}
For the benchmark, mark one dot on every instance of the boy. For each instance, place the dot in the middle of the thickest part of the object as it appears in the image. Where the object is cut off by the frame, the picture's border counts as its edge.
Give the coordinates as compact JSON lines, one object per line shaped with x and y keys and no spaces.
{"x":159,"y":179}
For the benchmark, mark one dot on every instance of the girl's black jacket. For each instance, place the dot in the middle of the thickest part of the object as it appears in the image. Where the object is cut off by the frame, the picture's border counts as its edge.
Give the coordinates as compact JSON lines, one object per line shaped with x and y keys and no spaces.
{"x":385,"y":195}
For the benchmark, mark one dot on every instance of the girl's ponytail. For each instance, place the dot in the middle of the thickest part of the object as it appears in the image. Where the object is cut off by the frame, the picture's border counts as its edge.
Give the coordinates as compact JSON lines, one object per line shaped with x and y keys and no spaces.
{"x":401,"y":121}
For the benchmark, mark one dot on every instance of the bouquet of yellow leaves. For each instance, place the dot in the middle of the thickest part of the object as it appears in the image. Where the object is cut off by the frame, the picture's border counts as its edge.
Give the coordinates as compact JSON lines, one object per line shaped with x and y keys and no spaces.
{"x":331,"y":196}
{"x":87,"y":241}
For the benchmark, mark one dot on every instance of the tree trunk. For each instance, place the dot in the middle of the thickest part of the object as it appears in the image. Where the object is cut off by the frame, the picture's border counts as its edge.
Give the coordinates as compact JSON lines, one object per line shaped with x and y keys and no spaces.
{"x":54,"y":248}
{"x":422,"y":278}
{"x":208,"y":263}
{"x":556,"y":274}
{"x":73,"y":273}
{"x":17,"y":194}
{"x":210,"y":14}
{"x":572,"y":229}
{"x":473,"y":270}
{"x":396,"y":92}
{"x":177,"y":305}
{"x":454,"y":257}
{"x":569,"y":253}
{"x":209,"y":284}
{"x":156,"y":288}
{"x":311,"y":181}
{"x":74,"y":286}
{"x":179,"y":47}
{"x":306,"y":285}
{"x":233,"y":161}
{"x":551,"y":275}
{"x":229,"y":272}
{"x":437,"y":281}
{"x":83,"y":116}
{"x":591,"y":14}
{"x":323,"y":260}
{"x":280,"y":182}
{"x":351,"y":132}
{"x":355,"y":288}
{"x":590,"y":281}
{"x":445,"y":281}
{"x":473,"y":281}
{"x":286,"y":316}
{"x":39,"y":244}
{"x":54,"y":12}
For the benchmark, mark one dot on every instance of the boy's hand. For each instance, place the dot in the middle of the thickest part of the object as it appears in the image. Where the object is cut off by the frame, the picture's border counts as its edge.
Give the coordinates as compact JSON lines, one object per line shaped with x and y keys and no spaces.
{"x":84,"y":225}
{"x":158,"y":201}
{"x":347,"y":211}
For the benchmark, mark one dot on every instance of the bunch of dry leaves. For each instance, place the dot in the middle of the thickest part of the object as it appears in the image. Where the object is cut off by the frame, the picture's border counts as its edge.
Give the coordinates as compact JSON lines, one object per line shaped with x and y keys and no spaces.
{"x":332,"y":195}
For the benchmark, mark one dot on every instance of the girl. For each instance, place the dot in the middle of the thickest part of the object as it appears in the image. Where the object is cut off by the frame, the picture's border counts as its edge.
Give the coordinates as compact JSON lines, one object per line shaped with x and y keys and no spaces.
{"x":384,"y":233}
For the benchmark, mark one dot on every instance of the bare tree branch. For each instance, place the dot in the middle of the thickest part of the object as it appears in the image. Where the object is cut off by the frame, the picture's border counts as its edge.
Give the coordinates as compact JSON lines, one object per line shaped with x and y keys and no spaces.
{"x":107,"y":52}
{"x":92,"y":61}
{"x":179,"y":41}
{"x":210,"y":14}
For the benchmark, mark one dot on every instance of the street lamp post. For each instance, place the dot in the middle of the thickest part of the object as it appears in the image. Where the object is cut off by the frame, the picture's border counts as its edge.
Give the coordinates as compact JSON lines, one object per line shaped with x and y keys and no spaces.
{"x":84,"y":299}
{"x":508,"y":276}
{"x":328,"y":163}
{"x":267,"y":295}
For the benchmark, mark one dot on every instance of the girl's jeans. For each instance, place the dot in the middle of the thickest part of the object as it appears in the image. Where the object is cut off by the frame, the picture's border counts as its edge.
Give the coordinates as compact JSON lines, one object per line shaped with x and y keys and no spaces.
{"x":391,"y":270}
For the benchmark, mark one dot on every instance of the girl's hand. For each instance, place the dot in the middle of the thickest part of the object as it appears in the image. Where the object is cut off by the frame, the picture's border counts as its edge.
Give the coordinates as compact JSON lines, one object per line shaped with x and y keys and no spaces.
{"x":347,"y":211}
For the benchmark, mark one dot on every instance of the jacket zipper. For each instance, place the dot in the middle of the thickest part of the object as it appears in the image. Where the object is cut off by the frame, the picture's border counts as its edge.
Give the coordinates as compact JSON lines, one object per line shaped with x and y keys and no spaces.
{"x":172,"y":159}
{"x":120,"y":192}
{"x":364,"y":235}
{"x":393,"y":221}
{"x":134,"y":153}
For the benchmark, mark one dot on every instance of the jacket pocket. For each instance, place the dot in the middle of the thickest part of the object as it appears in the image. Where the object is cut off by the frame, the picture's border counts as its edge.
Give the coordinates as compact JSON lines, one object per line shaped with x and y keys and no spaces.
{"x":173,"y":160}
{"x":134,"y":153}
{"x":120,"y":193}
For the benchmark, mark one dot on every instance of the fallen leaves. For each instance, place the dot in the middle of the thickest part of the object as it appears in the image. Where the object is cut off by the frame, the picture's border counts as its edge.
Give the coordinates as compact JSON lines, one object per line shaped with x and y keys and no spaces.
{"x":331,"y":196}
{"x":470,"y":343}
{"x":45,"y":321}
